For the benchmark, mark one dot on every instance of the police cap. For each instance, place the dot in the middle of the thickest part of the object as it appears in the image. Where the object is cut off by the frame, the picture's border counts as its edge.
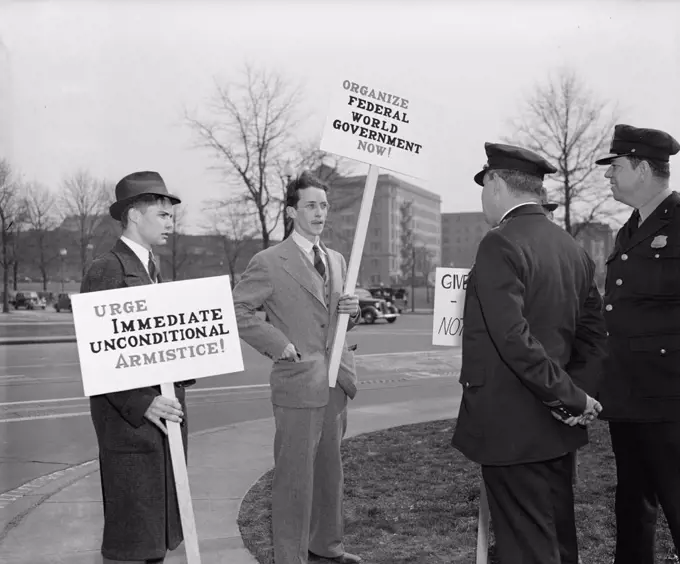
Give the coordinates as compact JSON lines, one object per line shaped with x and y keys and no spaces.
{"x":509,"y":157}
{"x":629,"y":141}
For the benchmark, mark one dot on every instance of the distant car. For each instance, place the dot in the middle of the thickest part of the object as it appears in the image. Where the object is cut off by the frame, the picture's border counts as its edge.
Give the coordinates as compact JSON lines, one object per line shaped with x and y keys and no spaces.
{"x":29,"y":300}
{"x":64,"y":302}
{"x":393,"y":296}
{"x":375,"y":308}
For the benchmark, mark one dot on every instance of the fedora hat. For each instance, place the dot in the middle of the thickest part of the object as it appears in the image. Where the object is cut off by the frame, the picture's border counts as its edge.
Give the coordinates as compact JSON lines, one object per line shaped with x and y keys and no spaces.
{"x":135,"y":185}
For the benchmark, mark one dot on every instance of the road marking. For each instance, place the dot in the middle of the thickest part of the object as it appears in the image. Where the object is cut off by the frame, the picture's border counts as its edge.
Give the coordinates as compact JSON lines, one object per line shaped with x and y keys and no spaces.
{"x":54,"y":416}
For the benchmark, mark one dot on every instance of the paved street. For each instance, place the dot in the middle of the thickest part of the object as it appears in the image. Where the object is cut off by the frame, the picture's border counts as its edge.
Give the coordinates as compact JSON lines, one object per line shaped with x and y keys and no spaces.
{"x":44,"y":418}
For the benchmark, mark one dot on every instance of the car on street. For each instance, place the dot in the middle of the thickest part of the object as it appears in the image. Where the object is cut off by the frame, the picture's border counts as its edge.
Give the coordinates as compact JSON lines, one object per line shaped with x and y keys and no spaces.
{"x":375,"y":308}
{"x":393,"y":296}
{"x":64,"y":301}
{"x":29,"y":300}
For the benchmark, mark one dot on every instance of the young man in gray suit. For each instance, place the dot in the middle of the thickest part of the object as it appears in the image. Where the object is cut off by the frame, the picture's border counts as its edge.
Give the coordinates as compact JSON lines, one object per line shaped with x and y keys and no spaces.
{"x":141,"y":514}
{"x":299,"y":282}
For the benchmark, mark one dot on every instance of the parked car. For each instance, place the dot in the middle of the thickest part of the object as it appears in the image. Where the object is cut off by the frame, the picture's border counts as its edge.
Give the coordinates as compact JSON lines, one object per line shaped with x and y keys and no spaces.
{"x":29,"y":300}
{"x":375,"y":308}
{"x":64,"y":301}
{"x":393,"y":296}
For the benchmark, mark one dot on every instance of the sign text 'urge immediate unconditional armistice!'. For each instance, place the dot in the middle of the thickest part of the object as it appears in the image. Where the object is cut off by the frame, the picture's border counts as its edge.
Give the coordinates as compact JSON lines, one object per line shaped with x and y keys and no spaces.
{"x":147,"y":335}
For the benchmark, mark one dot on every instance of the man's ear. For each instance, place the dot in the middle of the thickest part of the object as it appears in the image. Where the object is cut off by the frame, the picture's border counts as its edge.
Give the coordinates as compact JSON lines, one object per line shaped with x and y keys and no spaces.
{"x":291,"y":212}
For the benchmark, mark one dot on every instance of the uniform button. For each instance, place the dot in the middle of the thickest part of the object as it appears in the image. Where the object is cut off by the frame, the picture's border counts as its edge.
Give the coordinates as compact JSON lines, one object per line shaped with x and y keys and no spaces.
{"x":663,"y":351}
{"x":656,"y":255}
{"x":467,"y":384}
{"x":619,"y":282}
{"x":609,"y":307}
{"x":607,"y":333}
{"x":624,"y":256}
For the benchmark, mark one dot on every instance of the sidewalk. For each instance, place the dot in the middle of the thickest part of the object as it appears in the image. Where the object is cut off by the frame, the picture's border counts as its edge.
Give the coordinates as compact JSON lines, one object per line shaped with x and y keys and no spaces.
{"x":66,"y":524}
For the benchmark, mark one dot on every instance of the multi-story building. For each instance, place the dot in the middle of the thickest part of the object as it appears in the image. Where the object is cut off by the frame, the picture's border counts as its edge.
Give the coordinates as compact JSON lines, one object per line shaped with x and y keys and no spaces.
{"x":5,"y":104}
{"x":381,"y":261}
{"x":461,"y":234}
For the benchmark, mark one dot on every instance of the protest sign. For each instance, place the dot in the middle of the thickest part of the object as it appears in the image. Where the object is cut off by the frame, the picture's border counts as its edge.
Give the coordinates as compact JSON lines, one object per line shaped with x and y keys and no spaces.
{"x":148,"y":335}
{"x":376,"y":126}
{"x":449,"y":302}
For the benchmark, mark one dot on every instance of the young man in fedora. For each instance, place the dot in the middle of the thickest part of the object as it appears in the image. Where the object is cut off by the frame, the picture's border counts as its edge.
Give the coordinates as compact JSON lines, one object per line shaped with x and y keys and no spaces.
{"x":141,"y":513}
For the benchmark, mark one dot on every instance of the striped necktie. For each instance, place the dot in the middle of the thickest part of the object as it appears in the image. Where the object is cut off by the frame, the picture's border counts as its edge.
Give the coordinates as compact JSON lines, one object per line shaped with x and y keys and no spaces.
{"x":153,"y":269}
{"x":318,"y":262}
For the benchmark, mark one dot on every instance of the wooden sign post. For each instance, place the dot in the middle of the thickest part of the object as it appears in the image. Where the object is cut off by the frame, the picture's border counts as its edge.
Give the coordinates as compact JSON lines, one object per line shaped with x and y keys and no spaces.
{"x":149,"y":335}
{"x":353,"y":270}
{"x":483,"y":527}
{"x":378,"y":127}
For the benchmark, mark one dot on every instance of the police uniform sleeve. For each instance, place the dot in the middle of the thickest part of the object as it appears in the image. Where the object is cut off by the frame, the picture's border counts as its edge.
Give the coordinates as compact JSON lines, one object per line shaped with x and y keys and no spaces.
{"x":499,"y":267}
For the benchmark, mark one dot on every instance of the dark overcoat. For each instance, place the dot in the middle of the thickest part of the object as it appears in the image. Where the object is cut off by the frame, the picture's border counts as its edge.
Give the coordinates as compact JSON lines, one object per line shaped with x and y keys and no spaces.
{"x":141,"y":513}
{"x":642,"y":312}
{"x":533,"y":337}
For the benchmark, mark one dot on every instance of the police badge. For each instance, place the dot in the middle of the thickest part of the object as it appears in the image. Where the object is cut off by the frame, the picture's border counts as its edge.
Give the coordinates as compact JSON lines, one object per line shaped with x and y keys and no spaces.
{"x":659,"y":241}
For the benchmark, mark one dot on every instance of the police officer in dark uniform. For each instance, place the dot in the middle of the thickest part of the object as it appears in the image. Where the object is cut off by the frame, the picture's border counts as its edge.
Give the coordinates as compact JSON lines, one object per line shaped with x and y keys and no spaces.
{"x":533,"y":347}
{"x":640,"y":390}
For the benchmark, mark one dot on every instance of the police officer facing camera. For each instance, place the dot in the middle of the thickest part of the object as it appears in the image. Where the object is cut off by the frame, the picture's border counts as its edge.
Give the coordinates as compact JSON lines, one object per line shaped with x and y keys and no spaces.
{"x":640,"y":390}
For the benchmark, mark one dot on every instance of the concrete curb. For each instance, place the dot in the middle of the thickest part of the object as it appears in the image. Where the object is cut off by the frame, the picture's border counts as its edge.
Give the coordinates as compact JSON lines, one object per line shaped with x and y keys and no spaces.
{"x":37,"y":340}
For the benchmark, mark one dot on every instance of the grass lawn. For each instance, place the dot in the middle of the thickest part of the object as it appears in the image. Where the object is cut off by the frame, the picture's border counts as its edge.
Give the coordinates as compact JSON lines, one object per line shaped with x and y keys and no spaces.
{"x":411,"y":498}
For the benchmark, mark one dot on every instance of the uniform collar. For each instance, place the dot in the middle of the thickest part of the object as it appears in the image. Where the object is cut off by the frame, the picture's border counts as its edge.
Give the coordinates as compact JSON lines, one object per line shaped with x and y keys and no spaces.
{"x":647,"y":209}
{"x":513,"y":208}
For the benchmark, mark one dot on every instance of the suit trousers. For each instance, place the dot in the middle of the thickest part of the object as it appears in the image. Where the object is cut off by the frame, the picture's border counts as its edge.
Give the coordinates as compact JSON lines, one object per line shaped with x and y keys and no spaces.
{"x":307,"y":487}
{"x":532,"y":511}
{"x":648,"y":474}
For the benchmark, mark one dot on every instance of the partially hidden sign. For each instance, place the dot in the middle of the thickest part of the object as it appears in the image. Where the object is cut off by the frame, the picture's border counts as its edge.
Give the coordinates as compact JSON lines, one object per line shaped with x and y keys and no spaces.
{"x":157,"y":333}
{"x":376,"y":126}
{"x":449,"y":304}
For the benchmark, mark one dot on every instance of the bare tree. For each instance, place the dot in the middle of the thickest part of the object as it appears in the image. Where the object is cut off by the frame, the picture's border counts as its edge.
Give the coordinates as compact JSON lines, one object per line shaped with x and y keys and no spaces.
{"x":39,"y":206}
{"x":84,"y":201}
{"x":250,"y":131}
{"x":9,"y":211}
{"x":178,"y":251}
{"x":565,"y":123}
{"x":235,"y":227}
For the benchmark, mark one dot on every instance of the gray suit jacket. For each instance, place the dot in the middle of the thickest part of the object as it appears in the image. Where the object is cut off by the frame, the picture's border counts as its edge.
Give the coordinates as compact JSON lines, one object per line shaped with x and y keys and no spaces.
{"x":284,"y":281}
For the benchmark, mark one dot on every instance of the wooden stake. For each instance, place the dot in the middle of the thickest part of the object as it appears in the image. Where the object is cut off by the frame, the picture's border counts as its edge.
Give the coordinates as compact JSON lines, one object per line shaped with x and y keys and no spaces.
{"x":353,"y":270}
{"x":179,"y":469}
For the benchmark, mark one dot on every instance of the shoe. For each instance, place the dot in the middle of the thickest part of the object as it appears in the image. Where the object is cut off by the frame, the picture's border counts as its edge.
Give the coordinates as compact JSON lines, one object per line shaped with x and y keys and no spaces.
{"x":345,"y":558}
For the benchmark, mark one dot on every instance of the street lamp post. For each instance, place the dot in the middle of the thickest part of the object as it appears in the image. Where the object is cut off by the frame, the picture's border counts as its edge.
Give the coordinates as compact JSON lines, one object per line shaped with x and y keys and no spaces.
{"x":62,"y":253}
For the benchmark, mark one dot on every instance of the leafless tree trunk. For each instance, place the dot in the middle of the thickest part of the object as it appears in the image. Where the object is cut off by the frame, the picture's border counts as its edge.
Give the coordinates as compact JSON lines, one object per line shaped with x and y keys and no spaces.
{"x":85,"y":199}
{"x":178,"y":251}
{"x":565,"y":123}
{"x":235,"y":227}
{"x":39,"y":205}
{"x":250,"y":131}
{"x":9,"y":208}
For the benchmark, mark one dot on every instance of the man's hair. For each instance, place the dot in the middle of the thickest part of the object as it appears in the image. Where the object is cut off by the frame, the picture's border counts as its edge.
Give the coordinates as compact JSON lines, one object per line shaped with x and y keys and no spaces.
{"x":140,"y":203}
{"x":521,"y":183}
{"x":659,"y":169}
{"x":304,"y":180}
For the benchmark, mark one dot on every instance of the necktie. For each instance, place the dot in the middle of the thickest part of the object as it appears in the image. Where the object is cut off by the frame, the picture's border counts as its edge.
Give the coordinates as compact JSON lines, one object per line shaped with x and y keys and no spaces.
{"x":318,"y":263}
{"x":153,"y":269}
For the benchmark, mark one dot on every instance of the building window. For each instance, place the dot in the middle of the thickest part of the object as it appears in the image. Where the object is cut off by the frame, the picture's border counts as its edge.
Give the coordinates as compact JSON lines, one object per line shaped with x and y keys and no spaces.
{"x":375,"y":262}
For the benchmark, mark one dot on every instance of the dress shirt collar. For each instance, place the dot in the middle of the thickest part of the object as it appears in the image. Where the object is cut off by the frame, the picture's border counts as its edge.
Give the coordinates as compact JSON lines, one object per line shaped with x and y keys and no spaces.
{"x":139,"y":250}
{"x":305,"y":244}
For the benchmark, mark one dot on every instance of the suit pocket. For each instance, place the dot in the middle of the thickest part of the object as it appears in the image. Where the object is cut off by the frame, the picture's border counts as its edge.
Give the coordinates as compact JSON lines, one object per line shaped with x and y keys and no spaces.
{"x":304,"y":380}
{"x":656,"y":369}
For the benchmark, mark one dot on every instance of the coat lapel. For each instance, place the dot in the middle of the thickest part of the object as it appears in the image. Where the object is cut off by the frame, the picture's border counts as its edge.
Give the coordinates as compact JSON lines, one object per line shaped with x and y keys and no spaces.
{"x":302,"y":273}
{"x":335,"y":277}
{"x":659,"y":219}
{"x":133,"y":269}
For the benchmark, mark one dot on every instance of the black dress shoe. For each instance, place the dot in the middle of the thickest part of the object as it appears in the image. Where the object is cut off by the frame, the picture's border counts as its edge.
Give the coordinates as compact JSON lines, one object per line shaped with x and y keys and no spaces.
{"x":345,"y":558}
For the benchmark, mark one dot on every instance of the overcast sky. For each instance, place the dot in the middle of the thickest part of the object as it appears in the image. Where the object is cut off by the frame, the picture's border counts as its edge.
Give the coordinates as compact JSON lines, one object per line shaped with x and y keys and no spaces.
{"x":102,"y":84}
